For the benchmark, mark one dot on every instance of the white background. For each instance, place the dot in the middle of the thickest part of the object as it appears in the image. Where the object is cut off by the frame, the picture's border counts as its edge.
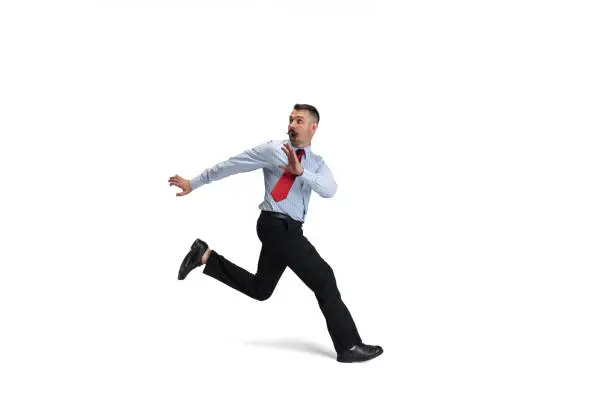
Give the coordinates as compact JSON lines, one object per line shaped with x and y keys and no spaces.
{"x":470,"y":234}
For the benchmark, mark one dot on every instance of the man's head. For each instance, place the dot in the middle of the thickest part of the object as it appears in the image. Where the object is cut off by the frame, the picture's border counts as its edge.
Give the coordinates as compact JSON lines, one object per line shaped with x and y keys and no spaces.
{"x":303,"y":123}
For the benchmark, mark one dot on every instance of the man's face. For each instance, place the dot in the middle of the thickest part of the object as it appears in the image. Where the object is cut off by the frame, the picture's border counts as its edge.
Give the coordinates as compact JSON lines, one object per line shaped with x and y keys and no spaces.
{"x":301,"y":128}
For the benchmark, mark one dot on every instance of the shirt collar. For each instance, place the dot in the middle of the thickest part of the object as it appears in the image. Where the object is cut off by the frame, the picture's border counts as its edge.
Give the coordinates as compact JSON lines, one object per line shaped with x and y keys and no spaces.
{"x":306,"y":149}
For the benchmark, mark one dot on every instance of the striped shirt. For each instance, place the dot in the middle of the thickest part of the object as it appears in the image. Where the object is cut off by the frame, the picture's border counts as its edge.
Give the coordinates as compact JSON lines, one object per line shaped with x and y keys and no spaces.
{"x":268,"y":156}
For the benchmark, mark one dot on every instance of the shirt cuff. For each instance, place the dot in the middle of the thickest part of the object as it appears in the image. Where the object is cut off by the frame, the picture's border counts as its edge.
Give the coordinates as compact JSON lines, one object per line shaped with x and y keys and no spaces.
{"x":196,"y":182}
{"x":309,"y":176}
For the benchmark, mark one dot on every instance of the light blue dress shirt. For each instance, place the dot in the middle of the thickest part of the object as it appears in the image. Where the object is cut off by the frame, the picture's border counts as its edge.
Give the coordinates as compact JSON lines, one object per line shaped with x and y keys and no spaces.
{"x":268,"y":156}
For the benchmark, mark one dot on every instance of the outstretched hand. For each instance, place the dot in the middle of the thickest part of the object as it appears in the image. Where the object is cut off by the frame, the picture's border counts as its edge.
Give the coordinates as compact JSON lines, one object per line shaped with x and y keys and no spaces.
{"x":181,"y":183}
{"x":293,"y":166}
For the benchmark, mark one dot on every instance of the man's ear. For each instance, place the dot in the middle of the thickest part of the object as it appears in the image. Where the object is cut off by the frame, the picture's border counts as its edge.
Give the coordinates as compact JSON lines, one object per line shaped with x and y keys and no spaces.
{"x":315,"y":125}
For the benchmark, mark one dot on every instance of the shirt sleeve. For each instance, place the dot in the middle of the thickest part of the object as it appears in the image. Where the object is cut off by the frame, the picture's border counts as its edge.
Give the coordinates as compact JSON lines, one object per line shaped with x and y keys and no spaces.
{"x":252,"y":159}
{"x":322,"y":181}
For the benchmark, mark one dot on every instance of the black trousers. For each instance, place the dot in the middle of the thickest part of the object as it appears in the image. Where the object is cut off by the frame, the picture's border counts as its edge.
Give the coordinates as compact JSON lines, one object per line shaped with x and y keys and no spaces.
{"x":284,"y":244}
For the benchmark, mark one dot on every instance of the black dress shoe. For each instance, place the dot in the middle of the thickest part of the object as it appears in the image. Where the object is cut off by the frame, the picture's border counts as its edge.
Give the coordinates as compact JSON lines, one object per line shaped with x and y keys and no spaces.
{"x":193,"y":259}
{"x":359,"y":352}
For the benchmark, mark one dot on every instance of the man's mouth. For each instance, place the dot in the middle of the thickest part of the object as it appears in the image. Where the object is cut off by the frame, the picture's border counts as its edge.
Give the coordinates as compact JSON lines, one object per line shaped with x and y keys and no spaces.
{"x":292,"y":133}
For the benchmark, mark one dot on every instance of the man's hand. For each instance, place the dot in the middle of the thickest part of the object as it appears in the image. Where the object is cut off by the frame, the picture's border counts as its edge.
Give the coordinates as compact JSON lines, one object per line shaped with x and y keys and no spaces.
{"x":181,"y":183}
{"x":293,"y":166}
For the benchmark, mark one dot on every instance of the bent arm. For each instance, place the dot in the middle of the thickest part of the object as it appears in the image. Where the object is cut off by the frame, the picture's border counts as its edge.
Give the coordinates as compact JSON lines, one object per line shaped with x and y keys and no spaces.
{"x":322,"y":181}
{"x":249,"y":160}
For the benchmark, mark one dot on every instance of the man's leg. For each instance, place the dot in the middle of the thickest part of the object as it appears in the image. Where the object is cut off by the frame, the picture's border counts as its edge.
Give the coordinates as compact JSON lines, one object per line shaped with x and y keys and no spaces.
{"x":270,"y":268}
{"x":259,"y":286}
{"x":308,"y":265}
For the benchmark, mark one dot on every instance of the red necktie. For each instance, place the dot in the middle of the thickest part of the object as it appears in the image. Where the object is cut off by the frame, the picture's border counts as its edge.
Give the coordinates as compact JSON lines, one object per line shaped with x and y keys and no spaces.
{"x":283,"y":185}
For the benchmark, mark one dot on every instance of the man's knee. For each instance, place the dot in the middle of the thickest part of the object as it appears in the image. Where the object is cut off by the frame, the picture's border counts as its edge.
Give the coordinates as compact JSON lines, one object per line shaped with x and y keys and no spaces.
{"x":327,"y":291}
{"x":263,"y":295}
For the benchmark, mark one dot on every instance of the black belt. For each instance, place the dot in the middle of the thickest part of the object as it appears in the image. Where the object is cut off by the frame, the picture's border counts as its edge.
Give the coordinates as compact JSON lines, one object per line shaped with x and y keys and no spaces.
{"x":279,"y":215}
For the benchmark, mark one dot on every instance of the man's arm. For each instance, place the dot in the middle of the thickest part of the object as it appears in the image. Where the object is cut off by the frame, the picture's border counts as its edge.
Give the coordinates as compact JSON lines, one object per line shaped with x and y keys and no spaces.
{"x":322,"y":181}
{"x":249,"y":160}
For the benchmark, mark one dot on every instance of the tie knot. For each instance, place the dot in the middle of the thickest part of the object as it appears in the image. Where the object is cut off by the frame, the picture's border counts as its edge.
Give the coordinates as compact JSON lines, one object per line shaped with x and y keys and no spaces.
{"x":300,"y":153}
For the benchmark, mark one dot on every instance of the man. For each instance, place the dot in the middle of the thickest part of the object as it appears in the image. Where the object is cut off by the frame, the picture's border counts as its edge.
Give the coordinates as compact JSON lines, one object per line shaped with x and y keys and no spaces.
{"x":291,"y":172}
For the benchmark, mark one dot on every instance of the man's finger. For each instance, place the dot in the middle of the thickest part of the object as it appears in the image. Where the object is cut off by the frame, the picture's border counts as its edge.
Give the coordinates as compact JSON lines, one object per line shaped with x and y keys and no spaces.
{"x":290,"y":153}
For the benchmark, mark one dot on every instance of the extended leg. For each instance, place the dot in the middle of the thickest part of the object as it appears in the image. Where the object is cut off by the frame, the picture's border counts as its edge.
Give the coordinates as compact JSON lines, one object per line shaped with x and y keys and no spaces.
{"x":308,"y":265}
